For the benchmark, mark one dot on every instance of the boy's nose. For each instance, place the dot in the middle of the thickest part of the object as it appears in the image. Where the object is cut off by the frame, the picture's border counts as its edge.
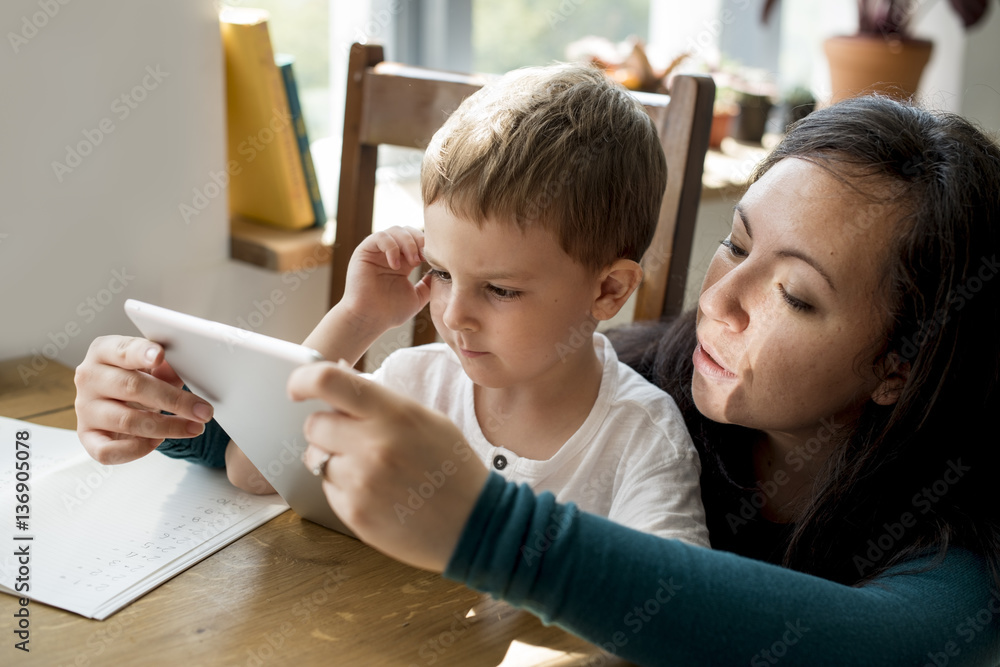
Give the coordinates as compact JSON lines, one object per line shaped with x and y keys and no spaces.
{"x":457,"y":316}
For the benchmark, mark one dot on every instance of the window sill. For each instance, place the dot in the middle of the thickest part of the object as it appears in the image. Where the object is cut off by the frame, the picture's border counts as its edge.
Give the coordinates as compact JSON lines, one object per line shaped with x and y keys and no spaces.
{"x":728,"y":167}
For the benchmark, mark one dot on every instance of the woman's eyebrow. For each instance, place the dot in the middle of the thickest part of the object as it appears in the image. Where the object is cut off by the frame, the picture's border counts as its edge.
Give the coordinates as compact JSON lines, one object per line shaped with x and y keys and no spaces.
{"x":740,"y":211}
{"x":787,"y":252}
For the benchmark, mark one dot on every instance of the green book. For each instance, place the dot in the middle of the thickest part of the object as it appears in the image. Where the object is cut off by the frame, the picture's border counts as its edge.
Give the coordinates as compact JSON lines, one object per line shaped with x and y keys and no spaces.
{"x":284,"y":62}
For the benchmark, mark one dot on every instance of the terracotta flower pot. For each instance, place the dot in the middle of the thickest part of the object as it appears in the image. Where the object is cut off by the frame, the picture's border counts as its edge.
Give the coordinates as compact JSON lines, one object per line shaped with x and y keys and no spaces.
{"x":721,"y":123}
{"x":861,"y":64}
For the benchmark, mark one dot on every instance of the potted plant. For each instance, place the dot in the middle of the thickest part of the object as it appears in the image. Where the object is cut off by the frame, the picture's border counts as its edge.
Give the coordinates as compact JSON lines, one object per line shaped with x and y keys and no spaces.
{"x":755,"y":95}
{"x":884,"y":56}
{"x":724,"y":110}
{"x":797,"y":104}
{"x":625,"y":62}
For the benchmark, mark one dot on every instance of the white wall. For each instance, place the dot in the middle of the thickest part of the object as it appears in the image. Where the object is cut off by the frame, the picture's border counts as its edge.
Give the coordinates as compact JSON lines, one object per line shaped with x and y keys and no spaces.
{"x":942,"y":81}
{"x":981,"y":87}
{"x":75,"y":244}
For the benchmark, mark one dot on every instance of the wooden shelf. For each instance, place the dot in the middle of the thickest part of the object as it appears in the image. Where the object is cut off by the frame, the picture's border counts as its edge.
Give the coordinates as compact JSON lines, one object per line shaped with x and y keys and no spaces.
{"x":279,"y":249}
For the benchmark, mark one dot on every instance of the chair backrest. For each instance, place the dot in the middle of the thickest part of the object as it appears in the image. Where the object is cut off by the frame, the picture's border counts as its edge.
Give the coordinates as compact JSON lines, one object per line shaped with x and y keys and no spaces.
{"x":394,"y":104}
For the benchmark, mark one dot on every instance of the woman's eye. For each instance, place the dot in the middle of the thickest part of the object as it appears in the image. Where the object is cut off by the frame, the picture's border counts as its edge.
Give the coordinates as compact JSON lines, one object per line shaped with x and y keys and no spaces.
{"x":796,"y":304}
{"x":734,"y":250}
{"x":503,"y":294}
{"x":437,"y":274}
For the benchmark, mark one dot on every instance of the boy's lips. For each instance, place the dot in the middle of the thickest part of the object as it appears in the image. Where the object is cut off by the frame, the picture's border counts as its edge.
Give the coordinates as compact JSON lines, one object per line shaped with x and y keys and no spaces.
{"x":467,"y":351}
{"x":706,"y":361}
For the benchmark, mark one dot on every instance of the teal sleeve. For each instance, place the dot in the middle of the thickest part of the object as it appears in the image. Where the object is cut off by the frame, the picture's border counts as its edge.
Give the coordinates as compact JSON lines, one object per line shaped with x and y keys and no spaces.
{"x":208,"y":449}
{"x":656,"y":601}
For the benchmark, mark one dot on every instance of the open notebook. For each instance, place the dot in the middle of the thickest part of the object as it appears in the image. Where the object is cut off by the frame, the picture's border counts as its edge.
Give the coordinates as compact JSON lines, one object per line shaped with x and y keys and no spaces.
{"x":99,"y":536}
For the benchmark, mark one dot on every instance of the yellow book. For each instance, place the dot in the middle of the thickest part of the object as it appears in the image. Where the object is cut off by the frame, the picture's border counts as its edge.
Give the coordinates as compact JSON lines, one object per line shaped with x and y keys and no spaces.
{"x":267,"y":182}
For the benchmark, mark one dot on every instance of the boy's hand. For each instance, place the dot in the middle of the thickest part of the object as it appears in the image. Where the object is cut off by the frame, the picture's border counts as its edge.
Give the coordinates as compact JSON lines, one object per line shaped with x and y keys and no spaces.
{"x":379,"y":290}
{"x":382,"y":445}
{"x":121,"y":387}
{"x":243,"y":474}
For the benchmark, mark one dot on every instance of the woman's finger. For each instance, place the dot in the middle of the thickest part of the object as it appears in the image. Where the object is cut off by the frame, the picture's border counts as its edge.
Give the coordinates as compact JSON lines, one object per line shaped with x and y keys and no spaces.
{"x":339,"y":386}
{"x":326,"y":429}
{"x":110,"y":448}
{"x":116,"y":417}
{"x":125,"y":352}
{"x":166,"y":373}
{"x":315,"y":459}
{"x":129,"y":386}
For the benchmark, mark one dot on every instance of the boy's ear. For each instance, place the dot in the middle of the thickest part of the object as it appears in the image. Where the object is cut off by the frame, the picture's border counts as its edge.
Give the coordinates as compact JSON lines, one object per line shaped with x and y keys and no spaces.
{"x":895,"y":373}
{"x":618,"y":281}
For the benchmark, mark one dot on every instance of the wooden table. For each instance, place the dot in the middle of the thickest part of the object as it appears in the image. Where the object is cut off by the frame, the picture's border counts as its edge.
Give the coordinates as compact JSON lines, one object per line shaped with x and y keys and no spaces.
{"x":288,"y":593}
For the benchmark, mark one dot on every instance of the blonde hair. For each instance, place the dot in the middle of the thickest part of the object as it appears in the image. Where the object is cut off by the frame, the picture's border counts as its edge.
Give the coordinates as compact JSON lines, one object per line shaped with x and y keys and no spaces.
{"x":560,"y":146}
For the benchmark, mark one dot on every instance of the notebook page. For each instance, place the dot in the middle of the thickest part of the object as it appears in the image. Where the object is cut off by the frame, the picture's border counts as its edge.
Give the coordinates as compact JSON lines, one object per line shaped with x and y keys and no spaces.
{"x":101,"y":536}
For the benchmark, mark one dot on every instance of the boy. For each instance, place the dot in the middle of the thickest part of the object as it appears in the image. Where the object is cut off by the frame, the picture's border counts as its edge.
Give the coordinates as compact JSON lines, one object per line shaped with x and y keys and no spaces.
{"x":541,"y":193}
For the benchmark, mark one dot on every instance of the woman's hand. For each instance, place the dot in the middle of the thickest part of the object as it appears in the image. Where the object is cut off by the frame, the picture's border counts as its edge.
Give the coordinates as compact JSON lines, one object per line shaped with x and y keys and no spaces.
{"x":399,"y":475}
{"x":121,"y":387}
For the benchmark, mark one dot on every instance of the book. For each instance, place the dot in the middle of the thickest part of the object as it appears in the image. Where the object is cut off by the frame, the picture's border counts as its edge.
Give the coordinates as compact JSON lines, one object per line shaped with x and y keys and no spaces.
{"x":107,"y":535}
{"x":284,"y":62}
{"x":267,"y":179}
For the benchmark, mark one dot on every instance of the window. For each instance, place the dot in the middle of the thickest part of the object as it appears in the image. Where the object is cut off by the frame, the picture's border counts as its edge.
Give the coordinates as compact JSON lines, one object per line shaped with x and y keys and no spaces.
{"x":516,"y":33}
{"x":301,"y":28}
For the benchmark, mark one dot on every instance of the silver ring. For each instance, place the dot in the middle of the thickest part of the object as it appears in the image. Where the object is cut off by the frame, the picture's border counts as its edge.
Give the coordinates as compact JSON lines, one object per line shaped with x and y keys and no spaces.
{"x":320,"y":468}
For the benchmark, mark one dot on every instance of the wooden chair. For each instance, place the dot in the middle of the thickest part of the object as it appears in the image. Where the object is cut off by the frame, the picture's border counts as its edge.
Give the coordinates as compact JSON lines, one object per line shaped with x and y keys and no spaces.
{"x":389,"y":103}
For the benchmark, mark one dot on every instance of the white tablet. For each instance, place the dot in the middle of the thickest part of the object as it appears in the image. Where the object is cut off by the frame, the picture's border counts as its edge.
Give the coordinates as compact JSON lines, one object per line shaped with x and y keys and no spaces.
{"x":243,"y":375}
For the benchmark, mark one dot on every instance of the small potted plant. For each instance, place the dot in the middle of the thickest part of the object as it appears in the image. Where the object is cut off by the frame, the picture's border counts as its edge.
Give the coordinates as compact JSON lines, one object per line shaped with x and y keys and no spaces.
{"x":625,"y":62}
{"x":755,"y":96}
{"x":724,"y":111}
{"x":884,"y":56}
{"x":797,"y":104}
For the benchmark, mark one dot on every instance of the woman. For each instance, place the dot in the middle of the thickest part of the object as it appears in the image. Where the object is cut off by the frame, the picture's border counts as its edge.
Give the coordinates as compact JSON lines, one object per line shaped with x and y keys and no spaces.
{"x":839,"y":376}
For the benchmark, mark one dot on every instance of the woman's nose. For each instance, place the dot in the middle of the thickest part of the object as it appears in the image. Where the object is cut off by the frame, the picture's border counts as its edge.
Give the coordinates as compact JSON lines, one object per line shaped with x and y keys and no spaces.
{"x":723,"y":298}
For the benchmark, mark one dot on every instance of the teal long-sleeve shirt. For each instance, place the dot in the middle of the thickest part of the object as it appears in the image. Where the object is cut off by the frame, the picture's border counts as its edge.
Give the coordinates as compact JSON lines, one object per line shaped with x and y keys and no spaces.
{"x":662,"y":602}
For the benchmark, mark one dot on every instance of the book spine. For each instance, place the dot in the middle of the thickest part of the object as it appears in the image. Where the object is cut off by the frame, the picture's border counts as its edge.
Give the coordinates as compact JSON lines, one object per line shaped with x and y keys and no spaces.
{"x":299,"y":122}
{"x":270,"y":184}
{"x":295,"y":180}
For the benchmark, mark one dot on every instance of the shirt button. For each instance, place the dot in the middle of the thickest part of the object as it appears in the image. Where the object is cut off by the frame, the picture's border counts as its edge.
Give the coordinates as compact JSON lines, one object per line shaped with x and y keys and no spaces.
{"x":499,"y":461}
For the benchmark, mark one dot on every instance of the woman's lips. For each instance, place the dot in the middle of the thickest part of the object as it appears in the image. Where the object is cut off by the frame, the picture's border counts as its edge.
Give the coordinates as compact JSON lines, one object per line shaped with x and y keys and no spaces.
{"x":471,"y":354}
{"x":707,"y":365}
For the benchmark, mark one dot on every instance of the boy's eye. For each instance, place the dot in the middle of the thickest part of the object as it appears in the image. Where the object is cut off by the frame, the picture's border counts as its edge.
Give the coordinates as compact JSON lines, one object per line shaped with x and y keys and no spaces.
{"x":734,"y":250}
{"x":437,"y":274}
{"x":503,"y":294}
